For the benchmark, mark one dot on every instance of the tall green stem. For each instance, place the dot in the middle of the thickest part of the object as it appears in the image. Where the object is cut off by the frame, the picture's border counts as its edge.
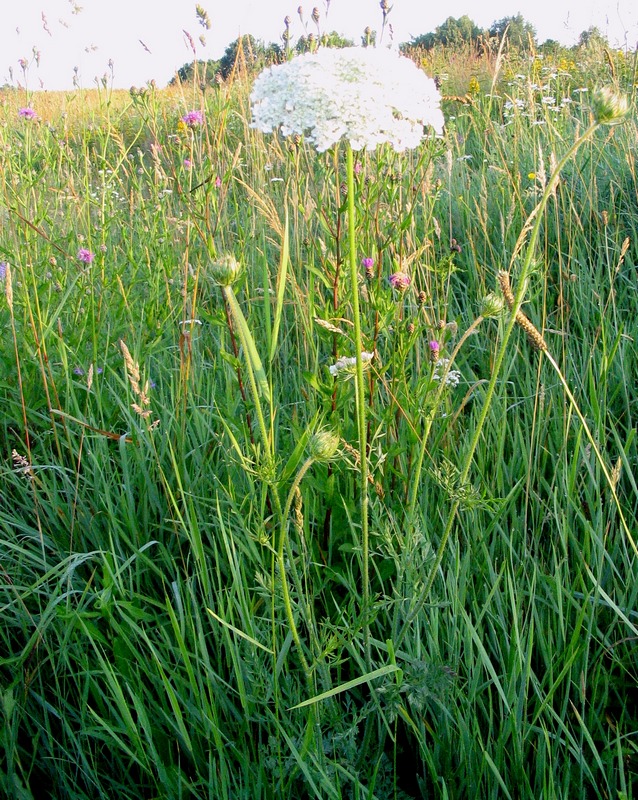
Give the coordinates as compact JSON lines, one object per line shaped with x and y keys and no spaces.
{"x":360,"y":401}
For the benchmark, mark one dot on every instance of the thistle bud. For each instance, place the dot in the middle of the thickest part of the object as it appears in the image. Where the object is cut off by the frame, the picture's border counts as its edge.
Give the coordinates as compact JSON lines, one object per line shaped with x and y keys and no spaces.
{"x":399,"y":281}
{"x":609,"y":106}
{"x":225,"y":270}
{"x":368,"y":265}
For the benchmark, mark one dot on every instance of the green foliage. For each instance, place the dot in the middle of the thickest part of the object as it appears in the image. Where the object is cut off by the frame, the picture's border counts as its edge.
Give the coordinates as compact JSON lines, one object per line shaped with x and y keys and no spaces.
{"x":309,"y":43}
{"x":204,"y":71}
{"x":451,"y":33}
{"x":520,"y":33}
{"x":592,"y":37}
{"x":247,"y":55}
{"x":172,"y":496}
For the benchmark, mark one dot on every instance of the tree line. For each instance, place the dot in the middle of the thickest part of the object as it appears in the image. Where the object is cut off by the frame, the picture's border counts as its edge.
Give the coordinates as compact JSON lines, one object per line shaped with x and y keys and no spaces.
{"x":248,"y":55}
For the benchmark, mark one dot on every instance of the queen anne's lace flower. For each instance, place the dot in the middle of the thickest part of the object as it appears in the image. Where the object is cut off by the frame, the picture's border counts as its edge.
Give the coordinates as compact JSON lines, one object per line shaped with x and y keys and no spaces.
{"x":365,"y":95}
{"x":452,"y":376}
{"x":345,"y":366}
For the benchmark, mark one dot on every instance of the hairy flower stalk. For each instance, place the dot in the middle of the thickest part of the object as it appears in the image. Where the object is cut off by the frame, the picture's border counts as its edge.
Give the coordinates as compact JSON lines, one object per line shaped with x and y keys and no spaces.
{"x":360,"y":402}
{"x":366,"y":97}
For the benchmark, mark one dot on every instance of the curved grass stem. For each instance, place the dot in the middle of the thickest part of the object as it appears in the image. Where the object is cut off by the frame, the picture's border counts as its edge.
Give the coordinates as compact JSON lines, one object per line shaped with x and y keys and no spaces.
{"x":595,"y":448}
{"x":281,"y":560}
{"x":532,"y":223}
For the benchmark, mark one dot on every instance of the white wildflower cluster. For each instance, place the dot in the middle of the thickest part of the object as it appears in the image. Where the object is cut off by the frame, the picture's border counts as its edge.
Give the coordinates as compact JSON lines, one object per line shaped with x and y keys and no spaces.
{"x":367,"y":96}
{"x":346,"y":365}
{"x":527,"y":99}
{"x":452,"y":377}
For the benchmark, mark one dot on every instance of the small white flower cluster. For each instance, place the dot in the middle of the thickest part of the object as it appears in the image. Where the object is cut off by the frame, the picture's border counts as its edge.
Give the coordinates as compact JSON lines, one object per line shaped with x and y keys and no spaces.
{"x":347,"y":365}
{"x":452,"y":378}
{"x":365,"y":95}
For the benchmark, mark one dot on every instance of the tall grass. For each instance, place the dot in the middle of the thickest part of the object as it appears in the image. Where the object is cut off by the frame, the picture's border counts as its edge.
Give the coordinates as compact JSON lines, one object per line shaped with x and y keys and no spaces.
{"x":183,"y":610}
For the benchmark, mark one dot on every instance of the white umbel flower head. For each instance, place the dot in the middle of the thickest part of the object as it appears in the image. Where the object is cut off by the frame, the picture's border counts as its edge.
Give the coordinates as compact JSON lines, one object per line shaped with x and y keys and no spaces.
{"x":345,"y":366}
{"x":365,"y":95}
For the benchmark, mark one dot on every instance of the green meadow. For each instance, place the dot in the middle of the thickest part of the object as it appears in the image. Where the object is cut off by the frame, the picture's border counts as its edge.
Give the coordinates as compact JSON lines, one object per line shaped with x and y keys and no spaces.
{"x":192,"y":603}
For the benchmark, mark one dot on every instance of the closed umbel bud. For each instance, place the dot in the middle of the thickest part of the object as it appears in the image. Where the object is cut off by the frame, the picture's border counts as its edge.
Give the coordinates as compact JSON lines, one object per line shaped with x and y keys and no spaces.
{"x":225,"y":270}
{"x":609,"y":106}
{"x":491,"y":305}
{"x":323,"y":445}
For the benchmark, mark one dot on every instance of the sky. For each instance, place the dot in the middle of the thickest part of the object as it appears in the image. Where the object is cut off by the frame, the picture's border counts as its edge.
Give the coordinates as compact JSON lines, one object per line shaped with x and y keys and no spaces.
{"x":134,"y":41}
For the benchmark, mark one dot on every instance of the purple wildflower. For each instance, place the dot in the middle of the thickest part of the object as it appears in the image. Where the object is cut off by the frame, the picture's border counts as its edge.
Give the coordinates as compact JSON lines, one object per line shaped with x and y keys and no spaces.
{"x":435,"y":349}
{"x":85,"y":255}
{"x":27,"y":113}
{"x":368,"y":265}
{"x":218,"y":182}
{"x":3,"y":270}
{"x":187,"y":163}
{"x":193,"y":118}
{"x":358,"y":167}
{"x":399,"y":281}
